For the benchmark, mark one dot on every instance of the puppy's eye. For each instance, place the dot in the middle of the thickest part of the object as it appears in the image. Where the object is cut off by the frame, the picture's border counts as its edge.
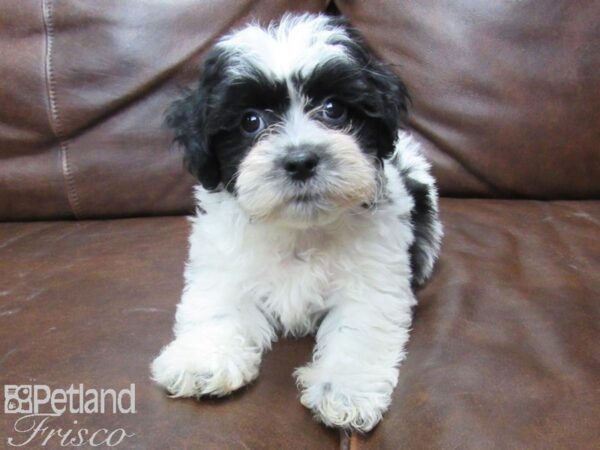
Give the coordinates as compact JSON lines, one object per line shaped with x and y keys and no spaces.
{"x":334,"y":111}
{"x":252,"y":122}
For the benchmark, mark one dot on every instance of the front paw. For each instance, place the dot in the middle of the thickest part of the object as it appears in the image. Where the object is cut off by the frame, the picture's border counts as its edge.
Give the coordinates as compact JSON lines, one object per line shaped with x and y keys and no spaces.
{"x":194,"y":365}
{"x":348,"y":401}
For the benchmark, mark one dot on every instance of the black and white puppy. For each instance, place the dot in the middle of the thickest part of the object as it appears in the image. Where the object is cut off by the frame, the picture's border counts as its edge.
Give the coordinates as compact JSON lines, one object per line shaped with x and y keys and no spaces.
{"x":316,"y":213}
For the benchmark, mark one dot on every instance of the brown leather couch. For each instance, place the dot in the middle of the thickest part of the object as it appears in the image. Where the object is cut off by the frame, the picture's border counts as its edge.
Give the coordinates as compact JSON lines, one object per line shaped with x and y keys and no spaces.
{"x":505,"y":349}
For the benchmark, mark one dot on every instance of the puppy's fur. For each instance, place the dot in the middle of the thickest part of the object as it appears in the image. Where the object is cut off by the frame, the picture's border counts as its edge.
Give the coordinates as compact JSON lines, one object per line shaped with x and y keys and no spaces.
{"x":316,"y":213}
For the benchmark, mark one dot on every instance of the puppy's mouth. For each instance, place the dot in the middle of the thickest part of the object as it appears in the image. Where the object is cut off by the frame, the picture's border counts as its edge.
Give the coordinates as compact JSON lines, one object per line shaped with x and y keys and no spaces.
{"x":308,"y":202}
{"x":305,"y":198}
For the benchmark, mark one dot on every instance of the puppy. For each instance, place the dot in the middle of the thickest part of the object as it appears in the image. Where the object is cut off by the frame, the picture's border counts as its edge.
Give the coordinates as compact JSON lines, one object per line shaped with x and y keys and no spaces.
{"x":316,"y":214}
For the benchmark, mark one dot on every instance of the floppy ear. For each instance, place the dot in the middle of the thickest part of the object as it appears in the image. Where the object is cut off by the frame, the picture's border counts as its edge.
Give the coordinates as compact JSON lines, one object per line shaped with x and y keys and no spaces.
{"x":391,"y":102}
{"x":389,"y":99}
{"x":189,"y":117}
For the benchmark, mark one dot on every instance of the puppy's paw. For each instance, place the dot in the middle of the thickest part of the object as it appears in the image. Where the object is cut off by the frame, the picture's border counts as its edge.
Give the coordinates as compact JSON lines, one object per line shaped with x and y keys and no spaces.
{"x":194,"y":365}
{"x":344,"y":402}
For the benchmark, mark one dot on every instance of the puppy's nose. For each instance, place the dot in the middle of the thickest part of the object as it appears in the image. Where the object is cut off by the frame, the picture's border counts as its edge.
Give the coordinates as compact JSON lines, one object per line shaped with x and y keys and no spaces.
{"x":301,"y":163}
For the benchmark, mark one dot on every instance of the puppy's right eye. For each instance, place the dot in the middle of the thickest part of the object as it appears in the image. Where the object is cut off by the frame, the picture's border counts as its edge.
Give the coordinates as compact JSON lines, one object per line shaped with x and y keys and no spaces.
{"x":252,"y":122}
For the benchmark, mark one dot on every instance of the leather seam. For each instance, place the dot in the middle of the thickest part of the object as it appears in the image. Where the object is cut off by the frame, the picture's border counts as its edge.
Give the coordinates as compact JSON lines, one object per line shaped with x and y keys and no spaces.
{"x":494,"y":190}
{"x":53,"y":112}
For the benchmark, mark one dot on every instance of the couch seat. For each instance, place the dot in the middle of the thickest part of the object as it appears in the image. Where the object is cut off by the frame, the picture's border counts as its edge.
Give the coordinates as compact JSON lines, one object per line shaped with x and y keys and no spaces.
{"x":504,"y":351}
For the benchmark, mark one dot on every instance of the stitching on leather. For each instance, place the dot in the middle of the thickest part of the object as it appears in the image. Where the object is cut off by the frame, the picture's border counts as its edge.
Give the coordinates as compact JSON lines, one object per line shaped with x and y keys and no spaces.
{"x":53,"y":114}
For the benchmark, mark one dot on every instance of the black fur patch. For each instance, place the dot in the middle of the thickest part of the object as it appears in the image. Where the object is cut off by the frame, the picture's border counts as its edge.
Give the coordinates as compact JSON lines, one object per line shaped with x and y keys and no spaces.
{"x":188,"y":117}
{"x":206,"y":120}
{"x":423,"y":218}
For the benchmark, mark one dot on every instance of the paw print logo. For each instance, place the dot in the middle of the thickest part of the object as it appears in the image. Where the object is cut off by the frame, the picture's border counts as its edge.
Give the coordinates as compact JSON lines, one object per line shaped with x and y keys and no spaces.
{"x":17,"y":399}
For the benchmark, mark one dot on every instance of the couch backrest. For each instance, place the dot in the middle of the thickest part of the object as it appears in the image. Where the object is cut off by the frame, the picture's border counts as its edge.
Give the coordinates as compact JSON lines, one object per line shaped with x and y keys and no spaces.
{"x":506,"y":95}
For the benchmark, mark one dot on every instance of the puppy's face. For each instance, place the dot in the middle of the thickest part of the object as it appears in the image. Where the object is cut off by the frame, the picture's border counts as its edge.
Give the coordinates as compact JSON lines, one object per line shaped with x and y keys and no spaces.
{"x":293,"y":120}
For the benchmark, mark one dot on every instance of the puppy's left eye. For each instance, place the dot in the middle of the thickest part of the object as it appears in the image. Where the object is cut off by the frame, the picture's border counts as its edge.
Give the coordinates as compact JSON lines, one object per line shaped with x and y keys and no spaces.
{"x":334,"y":111}
{"x":252,"y":122}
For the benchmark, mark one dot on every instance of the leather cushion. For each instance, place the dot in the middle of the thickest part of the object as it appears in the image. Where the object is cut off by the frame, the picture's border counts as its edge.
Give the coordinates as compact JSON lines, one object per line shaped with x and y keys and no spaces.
{"x":503,"y":352}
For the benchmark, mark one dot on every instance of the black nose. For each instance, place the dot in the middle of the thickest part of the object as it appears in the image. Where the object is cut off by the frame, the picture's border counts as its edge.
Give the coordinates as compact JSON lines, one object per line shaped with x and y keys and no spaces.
{"x":301,"y":164}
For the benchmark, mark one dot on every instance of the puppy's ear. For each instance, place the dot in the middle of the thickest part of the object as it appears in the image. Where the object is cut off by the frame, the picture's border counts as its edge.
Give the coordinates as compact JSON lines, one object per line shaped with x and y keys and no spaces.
{"x":392,"y":102}
{"x":189,"y":118}
{"x":389,"y":99}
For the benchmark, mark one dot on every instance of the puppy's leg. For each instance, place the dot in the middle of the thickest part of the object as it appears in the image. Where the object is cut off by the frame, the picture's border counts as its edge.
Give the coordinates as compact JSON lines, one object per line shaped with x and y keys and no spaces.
{"x":219,"y":340}
{"x":360,"y":344}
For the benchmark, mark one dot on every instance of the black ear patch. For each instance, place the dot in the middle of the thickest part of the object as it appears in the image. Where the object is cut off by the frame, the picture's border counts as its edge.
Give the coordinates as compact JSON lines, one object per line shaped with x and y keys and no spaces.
{"x":189,"y":119}
{"x":392,"y":102}
{"x":389,"y":99}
